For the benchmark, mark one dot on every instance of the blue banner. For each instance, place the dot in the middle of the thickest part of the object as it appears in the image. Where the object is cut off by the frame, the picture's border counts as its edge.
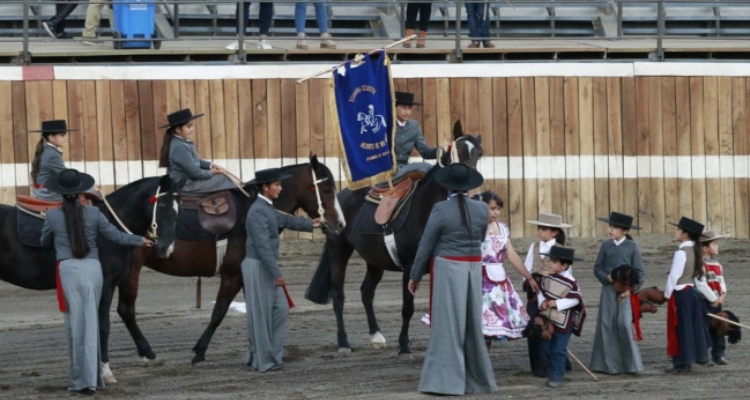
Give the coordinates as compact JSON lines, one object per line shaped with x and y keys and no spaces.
{"x":364,"y":119}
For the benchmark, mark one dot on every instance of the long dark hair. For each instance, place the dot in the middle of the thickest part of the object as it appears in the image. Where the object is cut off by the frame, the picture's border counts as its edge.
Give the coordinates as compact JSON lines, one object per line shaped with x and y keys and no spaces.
{"x":37,"y":158}
{"x":73,"y":210}
{"x":489,"y":195}
{"x":698,"y":271}
{"x":560,"y":236}
{"x":164,"y":153}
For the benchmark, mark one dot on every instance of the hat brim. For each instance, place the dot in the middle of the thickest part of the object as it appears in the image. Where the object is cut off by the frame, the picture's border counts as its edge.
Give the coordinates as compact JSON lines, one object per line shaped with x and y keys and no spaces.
{"x":678,"y":225}
{"x":706,"y":239}
{"x":410,"y":103}
{"x":260,"y":182}
{"x":178,"y":123}
{"x":609,"y":221}
{"x":561,"y":259}
{"x":443,"y":178}
{"x":547,"y":224}
{"x":53,"y":185}
{"x":42,"y":131}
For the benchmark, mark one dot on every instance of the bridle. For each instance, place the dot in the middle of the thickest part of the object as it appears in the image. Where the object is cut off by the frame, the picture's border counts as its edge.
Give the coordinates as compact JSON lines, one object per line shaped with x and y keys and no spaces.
{"x":316,"y":189}
{"x":151,"y":232}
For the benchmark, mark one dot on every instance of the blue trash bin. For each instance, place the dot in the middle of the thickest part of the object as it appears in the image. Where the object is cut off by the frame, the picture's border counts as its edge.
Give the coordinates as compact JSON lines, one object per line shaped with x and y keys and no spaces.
{"x":134,"y":19}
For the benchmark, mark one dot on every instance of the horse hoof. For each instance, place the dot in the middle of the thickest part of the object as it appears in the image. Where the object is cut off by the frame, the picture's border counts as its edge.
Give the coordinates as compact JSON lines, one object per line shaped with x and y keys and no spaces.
{"x":406,"y":356}
{"x":377,"y":340}
{"x":345,"y":350}
{"x":107,"y":375}
{"x":152,"y":362}
{"x":197,"y":359}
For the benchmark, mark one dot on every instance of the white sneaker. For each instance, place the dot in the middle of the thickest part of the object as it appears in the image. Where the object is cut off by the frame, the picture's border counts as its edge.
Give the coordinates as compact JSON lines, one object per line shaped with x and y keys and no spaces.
{"x":234,"y":45}
{"x":326,"y":42}
{"x":301,"y":42}
{"x":264,"y":45}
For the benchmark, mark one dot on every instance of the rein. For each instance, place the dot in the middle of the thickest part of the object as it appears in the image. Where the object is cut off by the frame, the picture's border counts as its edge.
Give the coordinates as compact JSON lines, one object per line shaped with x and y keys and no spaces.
{"x":152,"y":230}
{"x":237,"y":182}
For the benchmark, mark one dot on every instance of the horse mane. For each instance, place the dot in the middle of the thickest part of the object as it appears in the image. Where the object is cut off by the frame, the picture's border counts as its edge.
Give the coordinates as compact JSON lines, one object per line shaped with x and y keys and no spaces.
{"x":327,"y":170}
{"x":126,"y":191}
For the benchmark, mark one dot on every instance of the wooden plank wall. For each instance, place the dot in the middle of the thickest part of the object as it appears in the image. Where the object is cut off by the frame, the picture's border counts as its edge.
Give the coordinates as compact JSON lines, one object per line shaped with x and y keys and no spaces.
{"x":619,"y":140}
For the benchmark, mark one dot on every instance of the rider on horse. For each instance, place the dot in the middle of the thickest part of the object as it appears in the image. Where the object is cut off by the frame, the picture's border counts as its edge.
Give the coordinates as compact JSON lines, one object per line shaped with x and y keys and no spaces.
{"x":408,"y":132}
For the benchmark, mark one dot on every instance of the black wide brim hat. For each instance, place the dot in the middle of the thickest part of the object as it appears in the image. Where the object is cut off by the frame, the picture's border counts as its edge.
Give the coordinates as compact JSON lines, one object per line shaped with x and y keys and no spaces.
{"x":561,"y":253}
{"x":268,"y":175}
{"x":689,"y":225}
{"x":70,"y":182}
{"x":619,"y":219}
{"x":406,"y":98}
{"x":179,"y":118}
{"x":54,"y":126}
{"x":459,"y":177}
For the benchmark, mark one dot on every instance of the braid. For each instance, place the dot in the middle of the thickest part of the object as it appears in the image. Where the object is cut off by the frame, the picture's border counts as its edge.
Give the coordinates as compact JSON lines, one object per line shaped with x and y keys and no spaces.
{"x":698,"y":271}
{"x":464,"y":211}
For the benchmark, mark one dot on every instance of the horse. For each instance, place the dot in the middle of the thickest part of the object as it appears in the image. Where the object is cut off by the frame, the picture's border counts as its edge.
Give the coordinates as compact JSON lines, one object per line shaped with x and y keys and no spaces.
{"x":328,"y":280}
{"x":311,"y":188}
{"x":147,"y":207}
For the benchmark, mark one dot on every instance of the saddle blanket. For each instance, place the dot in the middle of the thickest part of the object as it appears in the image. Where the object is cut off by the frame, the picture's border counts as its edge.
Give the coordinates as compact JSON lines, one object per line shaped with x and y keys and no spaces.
{"x":365,"y":223}
{"x":29,"y":229}
{"x":188,"y":228}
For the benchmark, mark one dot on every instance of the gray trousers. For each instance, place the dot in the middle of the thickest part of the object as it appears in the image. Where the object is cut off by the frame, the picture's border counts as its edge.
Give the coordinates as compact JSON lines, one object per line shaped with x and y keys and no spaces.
{"x":457,"y":361}
{"x":82,"y":284}
{"x":214,"y":184}
{"x":267,"y":312}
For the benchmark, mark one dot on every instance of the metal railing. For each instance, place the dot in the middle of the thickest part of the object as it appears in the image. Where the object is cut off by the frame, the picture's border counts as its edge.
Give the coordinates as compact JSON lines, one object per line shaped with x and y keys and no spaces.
{"x":456,"y":36}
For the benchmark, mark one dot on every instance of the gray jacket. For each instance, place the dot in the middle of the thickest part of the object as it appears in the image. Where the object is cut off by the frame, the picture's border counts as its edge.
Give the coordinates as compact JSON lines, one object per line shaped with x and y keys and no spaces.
{"x":185,"y":163}
{"x":55,"y":231}
{"x":445,"y":234}
{"x":408,"y":137}
{"x":263,"y":223}
{"x":50,"y":164}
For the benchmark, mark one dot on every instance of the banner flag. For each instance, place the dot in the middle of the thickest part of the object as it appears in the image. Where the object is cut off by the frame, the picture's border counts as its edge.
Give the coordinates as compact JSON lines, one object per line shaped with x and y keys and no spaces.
{"x":364,"y":119}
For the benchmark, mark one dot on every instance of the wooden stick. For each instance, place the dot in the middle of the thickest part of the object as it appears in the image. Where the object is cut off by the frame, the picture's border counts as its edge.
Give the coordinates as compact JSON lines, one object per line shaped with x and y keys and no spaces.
{"x":573,"y":356}
{"x":714,"y":316}
{"x":358,"y":58}
{"x":198,"y":293}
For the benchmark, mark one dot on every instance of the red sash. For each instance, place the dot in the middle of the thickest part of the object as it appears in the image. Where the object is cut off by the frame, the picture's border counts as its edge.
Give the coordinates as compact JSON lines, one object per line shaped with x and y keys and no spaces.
{"x":288,"y":297}
{"x":60,"y":294}
{"x":635,"y":305}
{"x":38,"y":186}
{"x":673,"y":348}
{"x":452,"y":258}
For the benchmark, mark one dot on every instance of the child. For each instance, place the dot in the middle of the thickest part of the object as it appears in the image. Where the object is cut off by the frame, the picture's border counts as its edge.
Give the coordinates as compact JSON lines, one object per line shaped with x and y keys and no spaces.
{"x":615,"y":347}
{"x":687,"y":335}
{"x":503,"y":315}
{"x":550,"y":233}
{"x":561,"y":304}
{"x":713,"y":291}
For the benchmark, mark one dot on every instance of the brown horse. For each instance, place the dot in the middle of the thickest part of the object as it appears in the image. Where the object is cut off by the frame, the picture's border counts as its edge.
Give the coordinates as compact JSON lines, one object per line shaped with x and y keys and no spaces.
{"x":198,"y":258}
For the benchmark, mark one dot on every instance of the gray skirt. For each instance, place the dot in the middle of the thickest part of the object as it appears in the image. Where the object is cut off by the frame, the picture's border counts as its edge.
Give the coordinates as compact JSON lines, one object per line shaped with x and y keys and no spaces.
{"x":215,"y":184}
{"x":82,"y":280}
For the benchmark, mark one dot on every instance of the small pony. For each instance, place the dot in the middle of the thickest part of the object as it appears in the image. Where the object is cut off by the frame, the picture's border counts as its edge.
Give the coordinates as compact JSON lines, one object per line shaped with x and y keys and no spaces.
{"x":624,"y":279}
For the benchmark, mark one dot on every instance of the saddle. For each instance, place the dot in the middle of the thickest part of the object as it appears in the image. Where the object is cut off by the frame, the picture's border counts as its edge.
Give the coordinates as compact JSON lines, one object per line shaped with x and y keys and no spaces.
{"x":40,"y":207}
{"x":389,"y":199}
{"x":217,"y":212}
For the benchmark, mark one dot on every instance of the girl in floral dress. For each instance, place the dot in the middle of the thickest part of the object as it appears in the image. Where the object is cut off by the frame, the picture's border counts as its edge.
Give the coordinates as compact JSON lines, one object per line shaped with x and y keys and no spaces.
{"x":504,"y":316}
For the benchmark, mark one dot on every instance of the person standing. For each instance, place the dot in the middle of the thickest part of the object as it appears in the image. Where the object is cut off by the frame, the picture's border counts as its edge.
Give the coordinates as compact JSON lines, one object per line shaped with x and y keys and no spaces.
{"x":55,"y":26}
{"x":321,"y":15}
{"x":73,"y":230}
{"x":457,"y":361}
{"x":423,"y":9}
{"x":265,"y":292}
{"x":713,"y":292}
{"x":93,"y":20}
{"x":615,"y":346}
{"x":265,"y":18}
{"x":478,"y":17}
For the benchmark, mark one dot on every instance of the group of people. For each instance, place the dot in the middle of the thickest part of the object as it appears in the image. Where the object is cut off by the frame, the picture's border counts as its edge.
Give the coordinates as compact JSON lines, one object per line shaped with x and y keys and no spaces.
{"x":478,"y":17}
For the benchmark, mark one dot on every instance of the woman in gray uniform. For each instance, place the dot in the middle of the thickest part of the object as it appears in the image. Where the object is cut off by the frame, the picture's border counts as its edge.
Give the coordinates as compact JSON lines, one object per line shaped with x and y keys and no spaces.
{"x":457,"y":361}
{"x":267,"y":307}
{"x":48,"y":160}
{"x":194,"y":175}
{"x":73,"y":230}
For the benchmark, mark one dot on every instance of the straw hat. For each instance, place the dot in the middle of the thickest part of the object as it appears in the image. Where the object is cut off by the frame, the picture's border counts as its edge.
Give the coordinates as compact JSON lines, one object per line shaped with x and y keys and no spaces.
{"x":550,"y":220}
{"x":710,"y":236}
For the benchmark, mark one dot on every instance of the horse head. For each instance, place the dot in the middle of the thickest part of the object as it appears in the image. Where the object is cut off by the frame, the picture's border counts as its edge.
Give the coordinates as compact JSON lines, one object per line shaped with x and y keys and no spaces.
{"x":166,"y":207}
{"x":466,"y":148}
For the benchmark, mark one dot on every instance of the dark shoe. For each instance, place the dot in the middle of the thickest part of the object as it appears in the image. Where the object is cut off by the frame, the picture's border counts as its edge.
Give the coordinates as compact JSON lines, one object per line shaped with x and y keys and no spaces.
{"x":474,"y":45}
{"x":720,"y":360}
{"x":63,"y":35}
{"x":50,"y":28}
{"x":488,"y":45}
{"x":707,"y":364}
{"x":86,"y":391}
{"x":672,"y":369}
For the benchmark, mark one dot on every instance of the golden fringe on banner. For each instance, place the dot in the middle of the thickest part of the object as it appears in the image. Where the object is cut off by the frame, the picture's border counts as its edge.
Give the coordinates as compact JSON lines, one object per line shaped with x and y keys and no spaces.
{"x":332,"y":109}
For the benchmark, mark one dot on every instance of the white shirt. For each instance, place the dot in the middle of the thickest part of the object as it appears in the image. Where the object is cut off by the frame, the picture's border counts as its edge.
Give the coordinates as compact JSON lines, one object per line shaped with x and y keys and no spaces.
{"x":402,"y":124}
{"x":678,"y":267}
{"x":266,"y":199}
{"x":702,"y":286}
{"x":544,"y":248}
{"x":619,"y":242}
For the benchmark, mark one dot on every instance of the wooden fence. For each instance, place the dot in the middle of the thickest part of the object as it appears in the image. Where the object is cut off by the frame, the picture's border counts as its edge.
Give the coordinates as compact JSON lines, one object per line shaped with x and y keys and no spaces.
{"x":653,"y":147}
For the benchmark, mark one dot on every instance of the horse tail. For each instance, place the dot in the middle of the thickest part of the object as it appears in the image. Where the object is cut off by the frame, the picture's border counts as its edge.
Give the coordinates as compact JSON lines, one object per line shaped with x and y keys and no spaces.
{"x":319,"y":291}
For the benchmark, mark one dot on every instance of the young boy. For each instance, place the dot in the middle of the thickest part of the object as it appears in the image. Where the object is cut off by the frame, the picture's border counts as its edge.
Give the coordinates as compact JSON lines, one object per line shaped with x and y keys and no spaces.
{"x":561,"y":303}
{"x":713,"y":290}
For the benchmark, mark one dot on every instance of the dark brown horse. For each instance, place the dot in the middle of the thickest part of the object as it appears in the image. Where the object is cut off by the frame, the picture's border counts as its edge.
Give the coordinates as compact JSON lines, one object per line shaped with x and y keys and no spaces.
{"x":195,"y":258}
{"x":328,"y":281}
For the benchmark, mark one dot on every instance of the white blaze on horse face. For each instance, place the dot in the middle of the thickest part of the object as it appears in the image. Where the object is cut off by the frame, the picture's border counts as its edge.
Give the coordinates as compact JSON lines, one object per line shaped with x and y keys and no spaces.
{"x":170,"y":249}
{"x":176,"y":207}
{"x":339,"y":211}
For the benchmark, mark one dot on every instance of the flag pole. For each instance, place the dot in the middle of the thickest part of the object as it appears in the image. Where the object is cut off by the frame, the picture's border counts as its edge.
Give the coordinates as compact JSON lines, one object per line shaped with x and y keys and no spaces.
{"x":358,"y":58}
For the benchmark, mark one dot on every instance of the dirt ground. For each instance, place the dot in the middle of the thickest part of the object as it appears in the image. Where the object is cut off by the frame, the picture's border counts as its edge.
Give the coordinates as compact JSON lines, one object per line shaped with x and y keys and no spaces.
{"x":33,"y":353}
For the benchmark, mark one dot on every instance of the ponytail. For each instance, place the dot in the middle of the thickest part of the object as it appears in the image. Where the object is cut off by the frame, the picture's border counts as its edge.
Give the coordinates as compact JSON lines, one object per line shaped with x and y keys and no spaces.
{"x":462,"y":207}
{"x":73,"y":210}
{"x":164,"y":153}
{"x":698,"y":271}
{"x":37,"y":158}
{"x":560,"y":237}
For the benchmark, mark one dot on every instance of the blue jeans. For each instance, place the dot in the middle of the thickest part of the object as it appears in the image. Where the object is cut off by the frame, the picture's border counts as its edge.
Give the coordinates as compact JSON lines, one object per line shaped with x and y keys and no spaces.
{"x":556,"y":354}
{"x":479,"y":27}
{"x":321,"y":14}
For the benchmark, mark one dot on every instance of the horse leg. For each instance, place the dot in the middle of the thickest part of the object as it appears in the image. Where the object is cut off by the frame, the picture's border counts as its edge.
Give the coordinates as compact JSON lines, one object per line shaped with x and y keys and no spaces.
{"x":228,"y":289}
{"x":104,"y":306}
{"x":407,"y":311}
{"x":339,"y":259}
{"x":372,"y":279}
{"x":126,"y":307}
